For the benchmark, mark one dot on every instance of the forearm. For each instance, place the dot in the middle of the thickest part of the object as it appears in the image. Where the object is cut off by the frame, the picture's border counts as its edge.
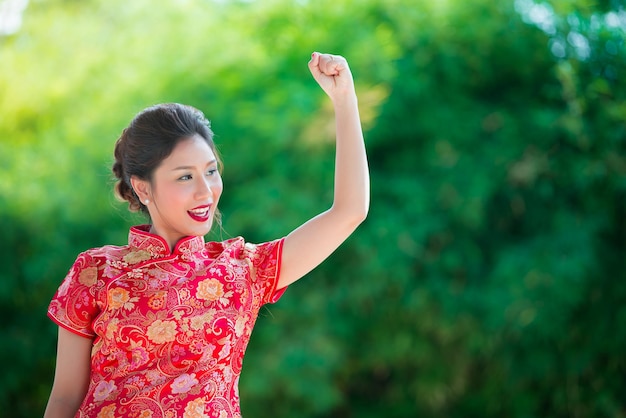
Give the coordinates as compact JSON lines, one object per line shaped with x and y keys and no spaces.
{"x":61,"y":408}
{"x":310,"y":244}
{"x":351,"y":193}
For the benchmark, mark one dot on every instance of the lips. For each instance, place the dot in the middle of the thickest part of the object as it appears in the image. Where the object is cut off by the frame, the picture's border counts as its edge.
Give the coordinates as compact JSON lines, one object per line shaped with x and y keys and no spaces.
{"x":201,"y":213}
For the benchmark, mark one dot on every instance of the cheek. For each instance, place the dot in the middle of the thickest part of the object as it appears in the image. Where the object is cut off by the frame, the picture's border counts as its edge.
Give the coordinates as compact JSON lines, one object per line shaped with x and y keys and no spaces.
{"x":173,"y":195}
{"x":217,"y":193}
{"x":217,"y":188}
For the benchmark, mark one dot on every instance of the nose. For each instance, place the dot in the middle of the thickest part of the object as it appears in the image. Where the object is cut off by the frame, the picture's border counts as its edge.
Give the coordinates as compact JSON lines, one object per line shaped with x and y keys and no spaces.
{"x":203,"y":188}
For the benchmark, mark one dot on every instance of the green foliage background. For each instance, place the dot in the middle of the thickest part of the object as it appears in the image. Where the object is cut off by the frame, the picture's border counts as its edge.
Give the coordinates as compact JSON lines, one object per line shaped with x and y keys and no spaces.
{"x":489,"y":279}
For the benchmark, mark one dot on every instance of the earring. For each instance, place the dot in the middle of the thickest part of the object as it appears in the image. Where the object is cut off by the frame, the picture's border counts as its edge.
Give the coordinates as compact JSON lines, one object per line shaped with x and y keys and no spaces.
{"x":147,"y":201}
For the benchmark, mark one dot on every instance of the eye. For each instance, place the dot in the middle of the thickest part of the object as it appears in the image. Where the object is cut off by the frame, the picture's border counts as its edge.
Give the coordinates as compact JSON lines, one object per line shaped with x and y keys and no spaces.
{"x":211,"y":172}
{"x":185,"y":177}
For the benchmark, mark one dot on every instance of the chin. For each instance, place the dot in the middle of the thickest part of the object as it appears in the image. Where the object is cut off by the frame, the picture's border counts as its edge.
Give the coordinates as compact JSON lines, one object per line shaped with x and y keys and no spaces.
{"x":202,"y":230}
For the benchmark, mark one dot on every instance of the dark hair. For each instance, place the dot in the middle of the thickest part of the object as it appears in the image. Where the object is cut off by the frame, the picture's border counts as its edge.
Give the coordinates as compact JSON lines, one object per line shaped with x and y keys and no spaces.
{"x":149,"y":139}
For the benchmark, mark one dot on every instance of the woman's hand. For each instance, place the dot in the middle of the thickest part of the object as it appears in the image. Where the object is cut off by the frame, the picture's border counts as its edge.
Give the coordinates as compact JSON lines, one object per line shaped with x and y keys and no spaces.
{"x":333,"y":74}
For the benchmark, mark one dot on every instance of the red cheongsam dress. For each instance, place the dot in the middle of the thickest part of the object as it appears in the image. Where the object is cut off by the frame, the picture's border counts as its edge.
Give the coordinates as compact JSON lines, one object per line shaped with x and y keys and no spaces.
{"x":169,"y":329}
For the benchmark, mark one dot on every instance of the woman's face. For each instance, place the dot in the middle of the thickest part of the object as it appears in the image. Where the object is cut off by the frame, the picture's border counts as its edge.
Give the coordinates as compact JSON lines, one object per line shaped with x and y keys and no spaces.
{"x":184,"y":191}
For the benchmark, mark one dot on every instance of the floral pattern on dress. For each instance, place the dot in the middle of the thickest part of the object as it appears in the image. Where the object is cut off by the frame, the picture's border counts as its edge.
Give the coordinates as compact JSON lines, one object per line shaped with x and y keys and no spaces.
{"x":169,"y":329}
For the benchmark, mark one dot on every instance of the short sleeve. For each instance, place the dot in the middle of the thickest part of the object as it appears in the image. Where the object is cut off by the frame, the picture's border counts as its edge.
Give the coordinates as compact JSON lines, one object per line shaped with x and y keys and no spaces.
{"x":74,"y":305}
{"x":265,"y":260}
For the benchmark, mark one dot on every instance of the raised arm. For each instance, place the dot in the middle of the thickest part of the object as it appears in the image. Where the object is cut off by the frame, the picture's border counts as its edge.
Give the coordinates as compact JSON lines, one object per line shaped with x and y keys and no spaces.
{"x":310,"y":244}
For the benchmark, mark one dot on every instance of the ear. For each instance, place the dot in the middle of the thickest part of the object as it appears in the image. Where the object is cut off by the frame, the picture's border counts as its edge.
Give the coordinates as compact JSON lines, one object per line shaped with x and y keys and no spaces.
{"x":141,"y":188}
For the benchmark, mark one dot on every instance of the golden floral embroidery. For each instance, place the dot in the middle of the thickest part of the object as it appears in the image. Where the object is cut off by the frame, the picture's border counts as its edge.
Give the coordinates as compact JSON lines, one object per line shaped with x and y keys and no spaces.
{"x":210,"y":289}
{"x":240,"y":326}
{"x":174,"y":332}
{"x":184,"y":383}
{"x":195,"y":409}
{"x":120,"y":298}
{"x":138,"y":256}
{"x":103,"y":390}
{"x":184,"y":295}
{"x":155,"y":377}
{"x":162,"y":331}
{"x":197,"y":322}
{"x":111,"y":328}
{"x":107,"y":412}
{"x":157,"y":301}
{"x":139,"y":355}
{"x":89,"y":276}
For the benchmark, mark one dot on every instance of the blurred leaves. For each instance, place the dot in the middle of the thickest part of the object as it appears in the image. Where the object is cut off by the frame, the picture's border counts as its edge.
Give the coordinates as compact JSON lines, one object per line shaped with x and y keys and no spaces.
{"x":489,"y":277}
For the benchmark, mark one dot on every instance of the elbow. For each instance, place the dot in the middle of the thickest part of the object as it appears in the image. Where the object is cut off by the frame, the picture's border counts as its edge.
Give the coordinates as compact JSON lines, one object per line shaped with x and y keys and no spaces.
{"x":362,"y":215}
{"x":351,"y":216}
{"x":358,"y":216}
{"x":364,"y":210}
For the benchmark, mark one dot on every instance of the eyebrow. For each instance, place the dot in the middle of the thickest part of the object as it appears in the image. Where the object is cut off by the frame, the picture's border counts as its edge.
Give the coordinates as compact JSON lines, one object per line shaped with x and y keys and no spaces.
{"x":189,"y":167}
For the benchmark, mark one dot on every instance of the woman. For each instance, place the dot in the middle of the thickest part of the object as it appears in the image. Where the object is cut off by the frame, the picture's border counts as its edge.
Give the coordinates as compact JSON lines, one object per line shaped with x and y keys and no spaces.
{"x":158,"y":328}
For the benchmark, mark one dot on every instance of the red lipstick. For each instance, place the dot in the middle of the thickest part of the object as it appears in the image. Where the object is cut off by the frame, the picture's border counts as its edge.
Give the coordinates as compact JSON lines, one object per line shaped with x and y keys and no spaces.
{"x":201,"y":213}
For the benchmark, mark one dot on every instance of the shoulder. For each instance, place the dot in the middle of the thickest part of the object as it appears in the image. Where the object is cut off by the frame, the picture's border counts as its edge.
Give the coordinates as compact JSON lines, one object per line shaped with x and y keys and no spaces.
{"x":97,"y":263}
{"x":100,"y":255}
{"x":238,"y":247}
{"x":239,"y":250}
{"x":231,"y":247}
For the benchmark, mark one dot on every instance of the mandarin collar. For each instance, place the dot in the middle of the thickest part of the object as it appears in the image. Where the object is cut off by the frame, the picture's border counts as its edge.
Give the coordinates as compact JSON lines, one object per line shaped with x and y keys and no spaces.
{"x":141,"y":238}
